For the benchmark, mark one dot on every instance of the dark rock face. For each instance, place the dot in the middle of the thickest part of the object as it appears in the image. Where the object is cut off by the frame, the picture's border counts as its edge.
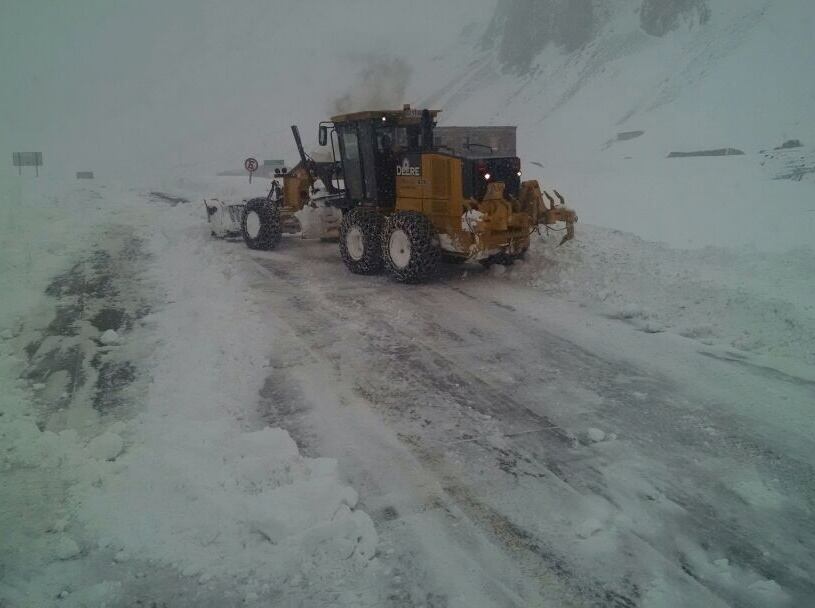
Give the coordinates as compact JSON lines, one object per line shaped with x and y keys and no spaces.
{"x":520,"y":29}
{"x":658,"y":17}
{"x":523,"y":28}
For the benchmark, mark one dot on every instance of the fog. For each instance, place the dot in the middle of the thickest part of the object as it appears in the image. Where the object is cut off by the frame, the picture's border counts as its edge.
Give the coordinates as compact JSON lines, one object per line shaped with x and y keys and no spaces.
{"x":154,"y":88}
{"x":129,"y":88}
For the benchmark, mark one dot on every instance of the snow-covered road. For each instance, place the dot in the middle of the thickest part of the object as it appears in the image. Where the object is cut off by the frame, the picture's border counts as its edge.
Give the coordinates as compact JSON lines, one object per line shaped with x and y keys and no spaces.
{"x":554,"y":454}
{"x":493,"y":438}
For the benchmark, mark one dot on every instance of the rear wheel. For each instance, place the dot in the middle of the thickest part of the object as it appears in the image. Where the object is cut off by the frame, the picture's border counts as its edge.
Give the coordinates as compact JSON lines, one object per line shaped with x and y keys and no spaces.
{"x":260,"y":224}
{"x":410,"y":247}
{"x":360,"y":233}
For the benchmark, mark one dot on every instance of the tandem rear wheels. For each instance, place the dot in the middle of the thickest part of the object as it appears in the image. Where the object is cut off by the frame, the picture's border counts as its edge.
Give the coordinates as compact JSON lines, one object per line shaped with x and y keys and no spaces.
{"x":404,"y":243}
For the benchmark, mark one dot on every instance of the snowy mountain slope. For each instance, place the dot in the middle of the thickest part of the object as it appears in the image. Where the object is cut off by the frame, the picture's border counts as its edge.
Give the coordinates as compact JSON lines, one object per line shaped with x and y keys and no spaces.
{"x":602,"y":116}
{"x":737,"y":77}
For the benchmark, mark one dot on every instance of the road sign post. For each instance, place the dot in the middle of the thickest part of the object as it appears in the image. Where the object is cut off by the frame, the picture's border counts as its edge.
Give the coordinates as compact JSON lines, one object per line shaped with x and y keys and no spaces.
{"x":251,"y":165}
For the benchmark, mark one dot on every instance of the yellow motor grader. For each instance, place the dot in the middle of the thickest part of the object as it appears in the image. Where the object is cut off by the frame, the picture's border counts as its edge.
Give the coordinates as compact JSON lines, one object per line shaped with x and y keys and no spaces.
{"x":411,"y":193}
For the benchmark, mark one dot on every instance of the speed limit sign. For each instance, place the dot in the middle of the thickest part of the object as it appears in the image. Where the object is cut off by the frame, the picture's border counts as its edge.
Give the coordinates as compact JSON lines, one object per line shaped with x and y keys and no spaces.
{"x":251,"y":165}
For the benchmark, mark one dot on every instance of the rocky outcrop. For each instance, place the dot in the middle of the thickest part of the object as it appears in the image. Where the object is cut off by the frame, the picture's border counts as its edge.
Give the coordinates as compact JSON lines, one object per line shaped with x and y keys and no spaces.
{"x":658,"y":17}
{"x":520,"y":29}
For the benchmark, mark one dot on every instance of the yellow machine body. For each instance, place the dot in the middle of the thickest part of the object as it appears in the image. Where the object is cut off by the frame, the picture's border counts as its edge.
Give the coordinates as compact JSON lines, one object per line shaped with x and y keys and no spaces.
{"x":472,"y":228}
{"x":466,"y":181}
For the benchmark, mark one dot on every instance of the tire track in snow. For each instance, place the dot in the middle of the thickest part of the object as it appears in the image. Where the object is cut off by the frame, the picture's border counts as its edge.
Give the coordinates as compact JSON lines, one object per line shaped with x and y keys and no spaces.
{"x":415,"y":349}
{"x":318,"y":324}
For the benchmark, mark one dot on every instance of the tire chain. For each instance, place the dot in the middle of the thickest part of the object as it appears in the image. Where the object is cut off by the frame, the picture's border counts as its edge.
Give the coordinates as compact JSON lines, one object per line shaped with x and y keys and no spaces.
{"x":370,"y":224}
{"x":270,"y":229}
{"x":425,"y":252}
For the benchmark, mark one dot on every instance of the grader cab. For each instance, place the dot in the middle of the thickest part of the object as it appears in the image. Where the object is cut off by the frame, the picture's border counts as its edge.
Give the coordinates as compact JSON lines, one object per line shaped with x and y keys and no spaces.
{"x":411,"y":192}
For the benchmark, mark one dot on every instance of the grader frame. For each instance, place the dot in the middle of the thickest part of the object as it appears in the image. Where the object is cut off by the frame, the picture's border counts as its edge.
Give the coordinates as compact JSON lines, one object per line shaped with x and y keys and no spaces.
{"x":411,"y":192}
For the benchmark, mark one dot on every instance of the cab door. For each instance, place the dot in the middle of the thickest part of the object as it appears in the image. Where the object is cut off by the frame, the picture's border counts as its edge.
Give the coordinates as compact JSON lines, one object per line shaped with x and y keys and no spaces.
{"x":367,"y":153}
{"x":351,"y":162}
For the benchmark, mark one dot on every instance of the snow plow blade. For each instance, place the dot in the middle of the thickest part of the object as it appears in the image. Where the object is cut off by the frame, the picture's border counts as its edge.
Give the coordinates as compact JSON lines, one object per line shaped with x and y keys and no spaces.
{"x":224,"y":218}
{"x":532,"y":199}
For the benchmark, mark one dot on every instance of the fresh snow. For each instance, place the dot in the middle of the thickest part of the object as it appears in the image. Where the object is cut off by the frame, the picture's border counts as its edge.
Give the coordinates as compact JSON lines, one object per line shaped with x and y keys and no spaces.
{"x":192,"y":479}
{"x":757,"y":303}
{"x":194,"y":489}
{"x":622,"y":420}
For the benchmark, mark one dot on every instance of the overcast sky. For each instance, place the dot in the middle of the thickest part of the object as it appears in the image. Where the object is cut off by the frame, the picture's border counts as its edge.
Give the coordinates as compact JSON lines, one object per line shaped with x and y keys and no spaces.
{"x":124,"y":84}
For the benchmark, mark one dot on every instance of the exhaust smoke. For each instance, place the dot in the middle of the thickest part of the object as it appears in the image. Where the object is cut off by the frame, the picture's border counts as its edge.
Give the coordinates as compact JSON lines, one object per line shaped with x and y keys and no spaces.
{"x":380,"y":85}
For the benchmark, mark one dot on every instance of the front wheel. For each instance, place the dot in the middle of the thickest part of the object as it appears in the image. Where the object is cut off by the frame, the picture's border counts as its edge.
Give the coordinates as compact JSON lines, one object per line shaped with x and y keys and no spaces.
{"x":260,"y":224}
{"x":410,"y":247}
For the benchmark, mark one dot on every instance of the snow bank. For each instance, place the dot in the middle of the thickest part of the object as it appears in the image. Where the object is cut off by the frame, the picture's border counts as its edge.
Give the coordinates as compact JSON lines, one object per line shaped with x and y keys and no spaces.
{"x":205,"y":486}
{"x":43,"y":222}
{"x":195,"y":483}
{"x":753,"y":302}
